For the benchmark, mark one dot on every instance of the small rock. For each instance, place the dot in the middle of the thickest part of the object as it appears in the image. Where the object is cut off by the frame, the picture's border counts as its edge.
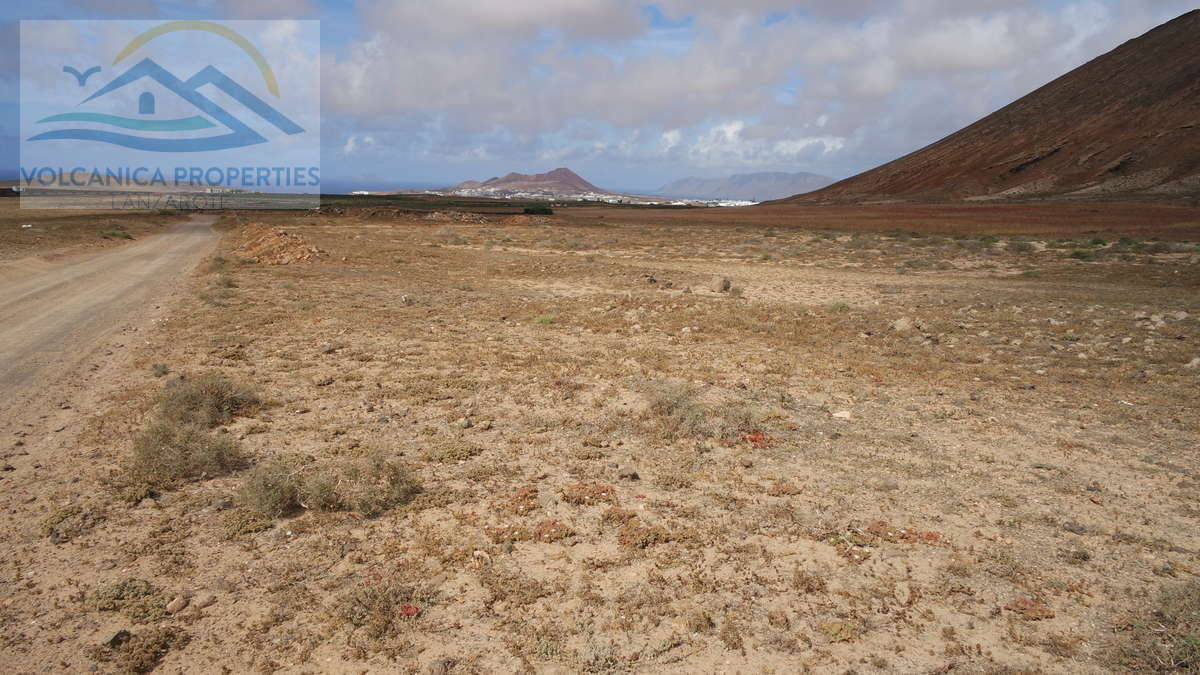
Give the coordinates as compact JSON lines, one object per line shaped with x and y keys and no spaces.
{"x":177,"y":605}
{"x":148,"y":503}
{"x":485,"y":425}
{"x":328,"y":349}
{"x":1180,"y":316}
{"x":441,"y":667}
{"x":323,"y":381}
{"x":222,"y":503}
{"x":1194,"y":363}
{"x":746,"y":463}
{"x":119,"y":638}
{"x":721,"y":285}
{"x":842,"y":415}
{"x":628,"y":473}
{"x":903,"y":594}
{"x":8,"y":467}
{"x":902,"y":325}
{"x":204,"y":601}
{"x":465,"y":422}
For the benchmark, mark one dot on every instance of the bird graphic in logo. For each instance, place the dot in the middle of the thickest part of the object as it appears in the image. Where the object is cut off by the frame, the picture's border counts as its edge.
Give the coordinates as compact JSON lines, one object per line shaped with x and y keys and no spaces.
{"x":209,"y":114}
{"x":82,"y":78}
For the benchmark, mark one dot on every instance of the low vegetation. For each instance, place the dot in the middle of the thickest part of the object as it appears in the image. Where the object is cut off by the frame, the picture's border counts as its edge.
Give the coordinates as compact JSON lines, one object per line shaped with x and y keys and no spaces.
{"x":366,"y":486}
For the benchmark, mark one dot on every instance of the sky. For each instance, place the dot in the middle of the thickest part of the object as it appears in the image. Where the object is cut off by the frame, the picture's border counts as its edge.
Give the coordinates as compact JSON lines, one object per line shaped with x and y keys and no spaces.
{"x":634,"y":95}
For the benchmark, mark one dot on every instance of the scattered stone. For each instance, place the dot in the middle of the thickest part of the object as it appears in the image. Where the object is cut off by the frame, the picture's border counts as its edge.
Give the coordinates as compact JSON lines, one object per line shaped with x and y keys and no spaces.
{"x":842,"y":415}
{"x":441,"y":667}
{"x":323,"y":381}
{"x":464,"y":422}
{"x":902,"y":325}
{"x":1180,"y":316}
{"x":721,"y":285}
{"x":177,"y":605}
{"x":119,"y":638}
{"x":628,"y":473}
{"x":222,"y":503}
{"x":1194,"y":363}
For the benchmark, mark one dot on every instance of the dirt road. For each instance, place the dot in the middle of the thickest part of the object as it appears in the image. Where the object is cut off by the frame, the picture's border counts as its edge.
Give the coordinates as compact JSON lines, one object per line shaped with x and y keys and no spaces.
{"x":53,"y":316}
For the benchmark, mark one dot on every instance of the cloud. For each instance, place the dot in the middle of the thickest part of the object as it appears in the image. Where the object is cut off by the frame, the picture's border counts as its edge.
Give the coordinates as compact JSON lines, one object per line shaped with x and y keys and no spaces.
{"x":267,"y":9}
{"x":355,"y":144}
{"x":865,"y":80}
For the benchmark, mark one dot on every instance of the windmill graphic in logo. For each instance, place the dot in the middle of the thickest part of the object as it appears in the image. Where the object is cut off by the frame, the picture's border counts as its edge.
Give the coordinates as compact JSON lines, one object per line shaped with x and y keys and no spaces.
{"x":207,"y":114}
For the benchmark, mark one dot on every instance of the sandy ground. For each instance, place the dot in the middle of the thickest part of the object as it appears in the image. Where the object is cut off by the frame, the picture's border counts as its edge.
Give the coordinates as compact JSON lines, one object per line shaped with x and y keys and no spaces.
{"x":871,"y":453}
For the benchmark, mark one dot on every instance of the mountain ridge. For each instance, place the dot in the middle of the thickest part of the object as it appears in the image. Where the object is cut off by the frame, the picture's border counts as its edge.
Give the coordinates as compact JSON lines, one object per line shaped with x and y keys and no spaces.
{"x":560,"y":181}
{"x":1126,"y":123}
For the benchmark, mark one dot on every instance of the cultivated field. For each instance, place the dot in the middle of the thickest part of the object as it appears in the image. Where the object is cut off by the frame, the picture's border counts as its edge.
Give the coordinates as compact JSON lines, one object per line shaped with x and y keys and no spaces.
{"x":623,"y":440}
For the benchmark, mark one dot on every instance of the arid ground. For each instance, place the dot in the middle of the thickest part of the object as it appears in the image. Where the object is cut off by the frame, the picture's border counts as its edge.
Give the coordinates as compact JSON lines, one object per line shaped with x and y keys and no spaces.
{"x":619,"y":440}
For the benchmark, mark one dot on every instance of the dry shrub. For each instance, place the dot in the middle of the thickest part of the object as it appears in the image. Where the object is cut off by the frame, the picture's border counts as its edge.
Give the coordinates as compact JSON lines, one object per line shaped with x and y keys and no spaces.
{"x":139,"y":653}
{"x":382,"y":608}
{"x":677,"y":404}
{"x":208,"y":401}
{"x":452,"y":452}
{"x":368,"y":486}
{"x":168,"y":453}
{"x":676,"y":410}
{"x":1167,"y":640}
{"x":139,"y":600}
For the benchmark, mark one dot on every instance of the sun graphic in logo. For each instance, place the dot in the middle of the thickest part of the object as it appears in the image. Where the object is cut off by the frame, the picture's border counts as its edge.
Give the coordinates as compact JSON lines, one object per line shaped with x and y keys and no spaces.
{"x":208,"y":115}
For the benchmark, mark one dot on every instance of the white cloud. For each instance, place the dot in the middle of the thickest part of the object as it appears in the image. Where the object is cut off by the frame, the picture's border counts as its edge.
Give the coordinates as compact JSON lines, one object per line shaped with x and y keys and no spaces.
{"x":356,"y":144}
{"x":872,"y":79}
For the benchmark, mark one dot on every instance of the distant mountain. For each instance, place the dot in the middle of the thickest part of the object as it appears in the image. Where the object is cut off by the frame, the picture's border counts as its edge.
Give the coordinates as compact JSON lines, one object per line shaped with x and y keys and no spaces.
{"x":559,"y":181}
{"x":1122,"y":125}
{"x":752,"y":186}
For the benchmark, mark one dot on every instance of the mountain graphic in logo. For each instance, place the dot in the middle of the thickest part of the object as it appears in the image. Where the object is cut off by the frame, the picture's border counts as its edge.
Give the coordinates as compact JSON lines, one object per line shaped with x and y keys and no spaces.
{"x":240,"y":135}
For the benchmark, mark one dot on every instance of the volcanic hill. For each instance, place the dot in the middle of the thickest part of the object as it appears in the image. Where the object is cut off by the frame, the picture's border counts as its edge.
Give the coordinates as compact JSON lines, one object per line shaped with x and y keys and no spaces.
{"x":558,"y":181}
{"x":1126,"y":124}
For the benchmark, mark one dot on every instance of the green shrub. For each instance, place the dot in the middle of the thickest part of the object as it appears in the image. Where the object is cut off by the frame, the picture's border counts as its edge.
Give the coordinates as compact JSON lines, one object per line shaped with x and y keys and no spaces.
{"x":539,"y":210}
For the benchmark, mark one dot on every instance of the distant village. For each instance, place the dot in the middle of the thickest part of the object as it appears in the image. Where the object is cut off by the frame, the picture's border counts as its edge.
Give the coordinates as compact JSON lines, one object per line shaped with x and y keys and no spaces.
{"x":552,"y":196}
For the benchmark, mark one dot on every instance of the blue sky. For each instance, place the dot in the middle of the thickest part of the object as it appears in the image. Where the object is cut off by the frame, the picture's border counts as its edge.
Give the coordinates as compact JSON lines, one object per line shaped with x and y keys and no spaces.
{"x":633,"y":95}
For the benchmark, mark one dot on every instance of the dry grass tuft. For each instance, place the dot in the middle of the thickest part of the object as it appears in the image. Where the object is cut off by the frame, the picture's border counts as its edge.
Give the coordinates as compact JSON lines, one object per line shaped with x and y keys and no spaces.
{"x":141,"y":653}
{"x":166,"y":453}
{"x":1167,"y":640}
{"x":139,"y":600}
{"x":208,"y":401}
{"x":382,"y":608}
{"x":367,"y":486}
